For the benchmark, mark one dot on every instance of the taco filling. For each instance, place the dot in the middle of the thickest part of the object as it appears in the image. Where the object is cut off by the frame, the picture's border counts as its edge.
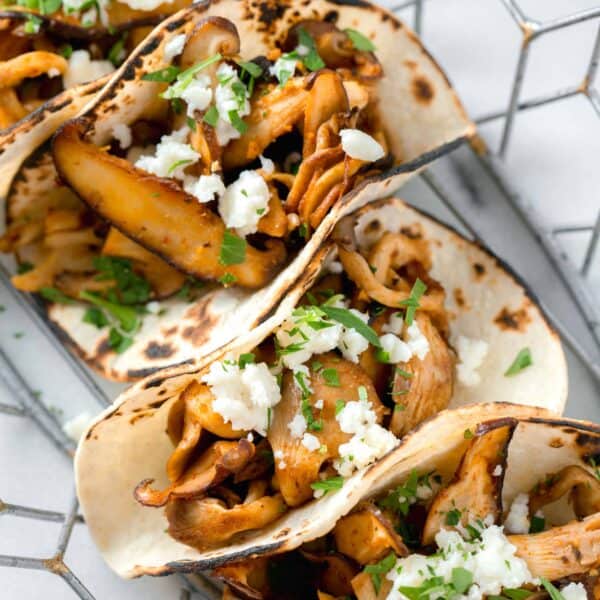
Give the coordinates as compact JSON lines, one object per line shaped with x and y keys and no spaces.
{"x":443,"y":534}
{"x":226,"y":172}
{"x":331,"y":391}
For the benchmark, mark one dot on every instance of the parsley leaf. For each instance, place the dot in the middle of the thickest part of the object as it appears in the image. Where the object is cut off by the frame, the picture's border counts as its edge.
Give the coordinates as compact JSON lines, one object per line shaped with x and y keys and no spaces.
{"x":227,"y":279}
{"x":462,"y":579}
{"x":552,"y":591}
{"x":127,"y":316}
{"x":237,"y":122}
{"x":177,"y":164}
{"x":328,"y":485}
{"x":385,"y":565}
{"x":312,"y":61}
{"x":116,"y":54}
{"x":359,"y":41}
{"x":331,"y":377}
{"x":53,"y":295}
{"x":211,"y":116}
{"x":412,"y":302}
{"x":350,"y":320}
{"x":117,"y":341}
{"x":94,"y":316}
{"x":166,"y":75}
{"x":522,"y":361}
{"x":233,"y":249}
{"x":245,"y":359}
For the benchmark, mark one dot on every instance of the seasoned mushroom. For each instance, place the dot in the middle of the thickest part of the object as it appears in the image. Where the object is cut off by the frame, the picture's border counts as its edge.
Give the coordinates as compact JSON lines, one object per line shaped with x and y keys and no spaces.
{"x":29,"y":65}
{"x":298,"y":466}
{"x":583,"y":489}
{"x":422,"y":388}
{"x":211,"y":468}
{"x":335,"y":572}
{"x":363,"y":587}
{"x":367,"y":536}
{"x":248,"y":578}
{"x":210,"y":522}
{"x":561,"y":551}
{"x":158,"y":214}
{"x":476,"y":489}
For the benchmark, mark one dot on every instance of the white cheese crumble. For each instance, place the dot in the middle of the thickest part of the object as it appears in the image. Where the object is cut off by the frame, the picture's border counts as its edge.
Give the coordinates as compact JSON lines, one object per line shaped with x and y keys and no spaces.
{"x":205,"y":188}
{"x":122,"y":133}
{"x":416,"y":341}
{"x":311,"y":442}
{"x":574,"y":591}
{"x":174,"y":47}
{"x":491,"y":561}
{"x":243,"y":397}
{"x":397,"y":350}
{"x":82,"y":68}
{"x":146,"y":5}
{"x":227,"y":101}
{"x":369,"y":440}
{"x":53,"y":72}
{"x":517,"y":520}
{"x":171,"y":150}
{"x":497,"y":471}
{"x":471,"y":354}
{"x":197,"y":94}
{"x":245,"y":202}
{"x":77,"y":426}
{"x":266,"y":164}
{"x":283,"y":68}
{"x":297,"y":426}
{"x":153,"y":307}
{"x":394,"y":325}
{"x":278,"y":456}
{"x":360,"y":145}
{"x":319,"y":404}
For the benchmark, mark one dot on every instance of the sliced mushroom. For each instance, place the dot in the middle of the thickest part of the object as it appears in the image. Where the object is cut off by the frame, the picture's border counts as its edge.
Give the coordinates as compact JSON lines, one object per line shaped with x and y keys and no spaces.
{"x":158,"y":214}
{"x":561,"y":551}
{"x":162,"y":277}
{"x":11,"y":109}
{"x":271,"y":115}
{"x":209,"y":522}
{"x":189,"y":415}
{"x":583,"y":489}
{"x":297,"y":468}
{"x":327,"y":97}
{"x":248,"y":578}
{"x":335,"y":574}
{"x":476,"y":489}
{"x":363,"y":587}
{"x":211,"y":468}
{"x":367,"y":536}
{"x":422,"y":388}
{"x":29,"y":65}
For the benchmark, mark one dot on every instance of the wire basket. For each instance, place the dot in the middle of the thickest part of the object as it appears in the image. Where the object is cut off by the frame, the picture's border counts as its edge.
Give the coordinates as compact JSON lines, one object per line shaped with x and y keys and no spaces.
{"x":447,"y":188}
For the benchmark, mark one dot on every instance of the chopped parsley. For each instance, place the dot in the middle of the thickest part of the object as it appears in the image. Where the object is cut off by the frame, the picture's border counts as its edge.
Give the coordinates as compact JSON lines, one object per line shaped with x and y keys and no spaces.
{"x":537,"y":524}
{"x":552,"y":591}
{"x":331,"y":377}
{"x":246,"y":359}
{"x":359,"y":41}
{"x":376,"y":571}
{"x":312,"y":61}
{"x":94,"y":316}
{"x":211,"y":116}
{"x":53,"y":295}
{"x":116,"y":54}
{"x":184,"y":78}
{"x":117,"y":341}
{"x":453,"y":517}
{"x":339,"y":406}
{"x":412,"y":302}
{"x":351,"y":321}
{"x":237,"y":122}
{"x":127,"y":316}
{"x":233,"y":249}
{"x":24,"y":267}
{"x":467,"y":434}
{"x":227,"y":279}
{"x":166,"y":75}
{"x":328,"y":485}
{"x":522,"y":361}
{"x":177,"y":164}
{"x":403,"y":373}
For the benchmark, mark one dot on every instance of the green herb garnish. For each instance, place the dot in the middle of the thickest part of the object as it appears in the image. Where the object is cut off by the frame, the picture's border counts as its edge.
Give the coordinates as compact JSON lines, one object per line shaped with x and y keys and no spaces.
{"x":359,"y":41}
{"x":522,"y":361}
{"x":233,"y":249}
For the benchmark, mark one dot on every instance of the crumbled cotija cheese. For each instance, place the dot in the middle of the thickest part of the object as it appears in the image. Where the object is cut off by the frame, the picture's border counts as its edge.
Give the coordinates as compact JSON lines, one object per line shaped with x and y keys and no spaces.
{"x":197,"y":94}
{"x":82,"y":69}
{"x":205,"y":188}
{"x":297,"y":426}
{"x":360,"y":145}
{"x":369,"y":441}
{"x":146,"y":5}
{"x":245,"y":202}
{"x":227,"y":101}
{"x":174,"y":47}
{"x":397,"y":350}
{"x":574,"y":591}
{"x":243,"y":396}
{"x":517,"y":520}
{"x":283,"y":68}
{"x":394,"y":325}
{"x":171,"y":149}
{"x":311,"y":442}
{"x":471,"y":354}
{"x":491,"y":561}
{"x":497,"y":471}
{"x":122,"y":134}
{"x":417,"y":342}
{"x":266,"y":164}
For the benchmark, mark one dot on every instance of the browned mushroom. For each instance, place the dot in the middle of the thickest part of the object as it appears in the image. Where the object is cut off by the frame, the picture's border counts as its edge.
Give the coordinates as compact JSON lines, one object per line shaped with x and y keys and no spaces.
{"x":29,"y":65}
{"x":561,"y":551}
{"x":367,"y":536}
{"x":583,"y":489}
{"x":422,"y":388}
{"x":363,"y":587}
{"x":297,"y":468}
{"x":211,"y":468}
{"x":335,"y":574}
{"x":476,"y":489}
{"x":210,"y":522}
{"x":248,"y":578}
{"x":159,"y":215}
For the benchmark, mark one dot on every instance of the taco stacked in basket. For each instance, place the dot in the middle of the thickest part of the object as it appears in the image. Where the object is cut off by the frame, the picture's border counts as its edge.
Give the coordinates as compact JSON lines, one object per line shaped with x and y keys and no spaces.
{"x":213,"y":215}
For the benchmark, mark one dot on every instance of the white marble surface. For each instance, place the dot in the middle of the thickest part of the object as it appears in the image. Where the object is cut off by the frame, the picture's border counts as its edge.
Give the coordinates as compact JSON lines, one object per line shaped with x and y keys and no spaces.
{"x":552,"y":159}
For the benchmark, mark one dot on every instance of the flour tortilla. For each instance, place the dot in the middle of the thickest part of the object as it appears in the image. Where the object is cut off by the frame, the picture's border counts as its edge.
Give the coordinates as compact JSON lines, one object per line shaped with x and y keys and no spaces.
{"x":131,"y":434}
{"x":422,"y":117}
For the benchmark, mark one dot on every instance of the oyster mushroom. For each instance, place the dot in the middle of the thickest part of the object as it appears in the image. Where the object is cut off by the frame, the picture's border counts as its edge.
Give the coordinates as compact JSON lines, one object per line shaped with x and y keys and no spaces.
{"x":158,"y":214}
{"x":476,"y":489}
{"x":367,"y":536}
{"x":211,"y":468}
{"x":248,"y":578}
{"x":335,"y":572}
{"x":30,"y":65}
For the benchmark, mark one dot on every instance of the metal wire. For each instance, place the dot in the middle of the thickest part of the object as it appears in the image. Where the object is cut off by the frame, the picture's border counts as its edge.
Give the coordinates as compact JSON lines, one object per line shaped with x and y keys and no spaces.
{"x":30,"y":406}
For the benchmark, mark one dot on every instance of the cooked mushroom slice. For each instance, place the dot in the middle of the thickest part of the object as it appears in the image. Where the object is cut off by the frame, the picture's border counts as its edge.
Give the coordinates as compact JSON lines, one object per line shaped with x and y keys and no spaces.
{"x":296,"y":466}
{"x":248,"y":578}
{"x":189,"y":415}
{"x":29,"y":65}
{"x":561,"y":551}
{"x":211,"y":468}
{"x":158,"y":214}
{"x":162,"y":277}
{"x":367,"y":536}
{"x":228,"y":594}
{"x":271,"y":115}
{"x":326,"y":98}
{"x":210,"y":522}
{"x":476,"y":489}
{"x":582,"y":487}
{"x":422,"y":388}
{"x":336,"y":572}
{"x":363,"y":587}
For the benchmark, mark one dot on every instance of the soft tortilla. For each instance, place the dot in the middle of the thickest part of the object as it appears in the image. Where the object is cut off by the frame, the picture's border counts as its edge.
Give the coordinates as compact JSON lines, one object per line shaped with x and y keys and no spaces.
{"x":131,"y":433}
{"x":421,"y":111}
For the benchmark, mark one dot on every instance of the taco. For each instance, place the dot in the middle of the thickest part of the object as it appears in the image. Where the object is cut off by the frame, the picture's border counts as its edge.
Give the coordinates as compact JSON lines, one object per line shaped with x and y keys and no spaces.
{"x":49,"y":46}
{"x":221,"y":155}
{"x":234,"y":457}
{"x":467,"y":515}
